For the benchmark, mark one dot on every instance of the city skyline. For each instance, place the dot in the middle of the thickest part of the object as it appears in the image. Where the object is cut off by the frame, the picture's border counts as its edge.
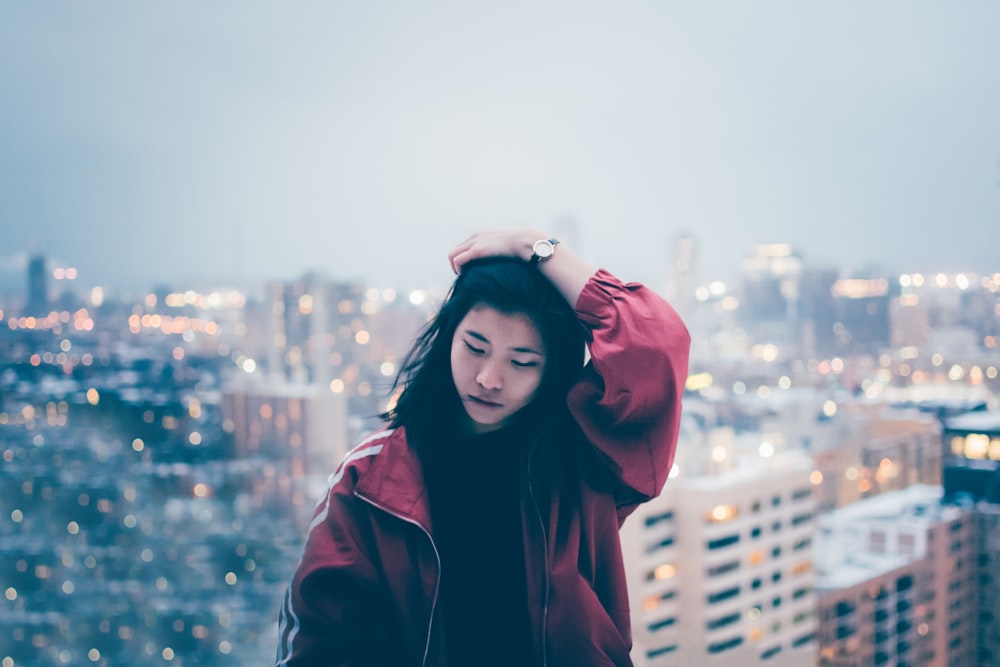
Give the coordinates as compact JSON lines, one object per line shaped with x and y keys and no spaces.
{"x":158,"y":144}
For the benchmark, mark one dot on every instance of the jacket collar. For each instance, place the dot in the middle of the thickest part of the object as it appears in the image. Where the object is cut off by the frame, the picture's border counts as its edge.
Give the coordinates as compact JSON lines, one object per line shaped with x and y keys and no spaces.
{"x":394,"y":480}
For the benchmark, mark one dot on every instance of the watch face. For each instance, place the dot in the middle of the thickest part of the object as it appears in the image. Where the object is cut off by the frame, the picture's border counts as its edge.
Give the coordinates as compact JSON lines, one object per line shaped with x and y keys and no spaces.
{"x":543,"y":249}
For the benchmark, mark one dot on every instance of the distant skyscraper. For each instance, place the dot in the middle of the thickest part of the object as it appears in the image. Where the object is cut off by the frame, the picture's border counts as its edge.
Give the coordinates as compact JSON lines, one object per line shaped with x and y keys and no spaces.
{"x":683,"y":273}
{"x":862,"y":315}
{"x":770,"y":303}
{"x":818,"y":312}
{"x":38,"y":286}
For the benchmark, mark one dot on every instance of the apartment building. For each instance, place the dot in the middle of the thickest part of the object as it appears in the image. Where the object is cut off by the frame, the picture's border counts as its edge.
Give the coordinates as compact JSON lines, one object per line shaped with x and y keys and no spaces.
{"x":720,"y":564}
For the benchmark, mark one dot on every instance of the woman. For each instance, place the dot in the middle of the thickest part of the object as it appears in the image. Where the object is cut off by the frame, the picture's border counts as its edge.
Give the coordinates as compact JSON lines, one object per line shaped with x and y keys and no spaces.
{"x":481,"y":526}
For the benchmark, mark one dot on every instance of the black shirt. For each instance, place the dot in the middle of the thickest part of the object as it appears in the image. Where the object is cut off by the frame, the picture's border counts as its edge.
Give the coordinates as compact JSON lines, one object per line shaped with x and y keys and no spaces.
{"x":474,"y":489}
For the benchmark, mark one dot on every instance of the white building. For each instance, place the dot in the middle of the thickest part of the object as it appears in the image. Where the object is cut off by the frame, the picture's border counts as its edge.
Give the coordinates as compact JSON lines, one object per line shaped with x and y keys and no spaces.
{"x":720,"y":564}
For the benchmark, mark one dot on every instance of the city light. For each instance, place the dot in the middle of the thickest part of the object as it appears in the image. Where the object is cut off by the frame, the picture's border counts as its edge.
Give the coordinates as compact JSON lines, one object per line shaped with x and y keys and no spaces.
{"x":144,"y":436}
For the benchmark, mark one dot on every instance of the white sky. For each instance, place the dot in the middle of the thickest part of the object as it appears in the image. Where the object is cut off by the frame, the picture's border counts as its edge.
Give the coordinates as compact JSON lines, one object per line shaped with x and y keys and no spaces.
{"x":169,"y":141}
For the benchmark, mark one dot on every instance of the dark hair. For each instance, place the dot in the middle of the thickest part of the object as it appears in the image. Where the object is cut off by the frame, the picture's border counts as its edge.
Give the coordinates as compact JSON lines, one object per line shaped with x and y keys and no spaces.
{"x":429,"y":405}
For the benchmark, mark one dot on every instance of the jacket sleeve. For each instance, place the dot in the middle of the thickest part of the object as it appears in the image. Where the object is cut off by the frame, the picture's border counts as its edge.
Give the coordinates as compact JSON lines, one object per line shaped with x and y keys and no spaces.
{"x":329,"y":616}
{"x":628,"y":401}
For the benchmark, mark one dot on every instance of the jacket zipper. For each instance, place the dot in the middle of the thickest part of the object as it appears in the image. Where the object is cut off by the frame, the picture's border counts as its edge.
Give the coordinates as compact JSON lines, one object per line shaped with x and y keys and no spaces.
{"x":545,"y":554}
{"x":437,"y":556}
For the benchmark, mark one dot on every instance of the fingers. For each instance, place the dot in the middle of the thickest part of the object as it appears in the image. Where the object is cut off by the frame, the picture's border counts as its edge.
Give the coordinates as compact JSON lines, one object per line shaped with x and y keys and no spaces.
{"x":458,"y":255}
{"x":493,"y":243}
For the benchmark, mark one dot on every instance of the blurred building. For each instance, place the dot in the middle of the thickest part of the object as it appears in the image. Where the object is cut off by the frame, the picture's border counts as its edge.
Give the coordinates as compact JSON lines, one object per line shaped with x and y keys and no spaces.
{"x":972,"y":456}
{"x":972,"y":475}
{"x":770,"y":303}
{"x":896,"y":579}
{"x":38,"y":286}
{"x":862,"y":325}
{"x":818,"y":312}
{"x":683,"y":269}
{"x":339,"y":335}
{"x":305,"y":425}
{"x":720,"y":565}
{"x":883,"y":450}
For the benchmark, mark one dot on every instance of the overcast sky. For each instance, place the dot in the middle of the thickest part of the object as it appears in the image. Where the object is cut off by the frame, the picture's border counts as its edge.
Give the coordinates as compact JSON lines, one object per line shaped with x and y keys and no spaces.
{"x":173,"y":141}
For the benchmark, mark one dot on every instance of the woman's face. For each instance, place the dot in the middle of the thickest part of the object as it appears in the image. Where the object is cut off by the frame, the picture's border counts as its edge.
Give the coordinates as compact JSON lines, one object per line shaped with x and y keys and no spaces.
{"x":497,"y":363}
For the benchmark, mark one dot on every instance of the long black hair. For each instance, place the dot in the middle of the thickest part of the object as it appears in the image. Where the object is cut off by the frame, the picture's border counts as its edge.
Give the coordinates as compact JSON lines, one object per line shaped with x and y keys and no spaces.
{"x":429,"y":406}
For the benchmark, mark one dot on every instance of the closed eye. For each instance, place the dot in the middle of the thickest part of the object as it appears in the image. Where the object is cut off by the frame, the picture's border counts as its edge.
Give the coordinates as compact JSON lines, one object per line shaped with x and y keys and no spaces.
{"x":524,"y":364}
{"x":474,"y":350}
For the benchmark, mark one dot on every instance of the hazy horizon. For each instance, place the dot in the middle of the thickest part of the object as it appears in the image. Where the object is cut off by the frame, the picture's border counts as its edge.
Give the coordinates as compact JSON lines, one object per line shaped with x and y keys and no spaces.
{"x":152,"y":144}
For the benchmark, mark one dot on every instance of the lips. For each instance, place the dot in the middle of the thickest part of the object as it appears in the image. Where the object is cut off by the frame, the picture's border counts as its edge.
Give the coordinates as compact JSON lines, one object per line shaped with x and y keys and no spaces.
{"x":485,"y":402}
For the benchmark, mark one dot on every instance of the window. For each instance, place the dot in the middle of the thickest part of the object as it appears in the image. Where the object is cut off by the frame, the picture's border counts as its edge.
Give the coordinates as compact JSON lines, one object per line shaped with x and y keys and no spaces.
{"x":803,"y":640}
{"x":801,"y":568}
{"x":722,"y":513}
{"x":723,"y":542}
{"x":652,"y":602}
{"x":653,"y":547}
{"x":771,"y":652}
{"x":663,"y":571}
{"x":654,"y":519}
{"x":755,"y":532}
{"x":804,"y":543}
{"x":722,"y":622}
{"x":664,"y":623}
{"x":719,"y":647}
{"x":802,"y":518}
{"x":722,"y":595}
{"x":800,"y":494}
{"x":775,"y":501}
{"x":724,"y":568}
{"x":844,"y":607}
{"x":661,"y":651}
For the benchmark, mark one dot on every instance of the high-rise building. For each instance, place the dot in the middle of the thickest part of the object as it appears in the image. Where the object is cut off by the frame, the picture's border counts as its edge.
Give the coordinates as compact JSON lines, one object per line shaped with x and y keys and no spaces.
{"x":303,"y":425}
{"x":770,"y":303}
{"x":818,"y":312}
{"x":988,"y":589}
{"x":683,"y":273}
{"x":971,"y":445}
{"x":896,"y":580}
{"x":720,"y":564}
{"x":863,"y":306}
{"x":38,"y":286}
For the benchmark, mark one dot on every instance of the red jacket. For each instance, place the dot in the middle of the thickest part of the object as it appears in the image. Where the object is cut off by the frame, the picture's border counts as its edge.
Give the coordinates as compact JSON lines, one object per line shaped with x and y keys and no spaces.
{"x":365,"y":591}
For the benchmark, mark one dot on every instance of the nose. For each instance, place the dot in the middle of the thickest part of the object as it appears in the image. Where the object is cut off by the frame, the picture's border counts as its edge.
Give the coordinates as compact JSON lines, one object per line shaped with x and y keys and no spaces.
{"x":489,"y":377}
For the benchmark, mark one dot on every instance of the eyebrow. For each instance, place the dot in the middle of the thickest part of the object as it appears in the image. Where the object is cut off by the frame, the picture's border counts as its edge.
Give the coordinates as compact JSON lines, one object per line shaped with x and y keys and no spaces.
{"x":481,"y":337}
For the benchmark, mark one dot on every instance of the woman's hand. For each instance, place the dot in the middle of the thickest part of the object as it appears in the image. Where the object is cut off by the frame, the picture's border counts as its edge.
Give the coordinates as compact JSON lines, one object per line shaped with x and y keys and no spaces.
{"x":567,"y":271}
{"x":495,"y":243}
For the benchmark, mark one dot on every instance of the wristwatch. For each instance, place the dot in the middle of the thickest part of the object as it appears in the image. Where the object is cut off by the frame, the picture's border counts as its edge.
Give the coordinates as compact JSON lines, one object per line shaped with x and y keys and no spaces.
{"x":542,"y":250}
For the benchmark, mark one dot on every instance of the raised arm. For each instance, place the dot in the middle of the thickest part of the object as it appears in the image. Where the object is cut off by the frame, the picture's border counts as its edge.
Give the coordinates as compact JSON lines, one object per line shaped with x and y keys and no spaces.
{"x":628,"y":402}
